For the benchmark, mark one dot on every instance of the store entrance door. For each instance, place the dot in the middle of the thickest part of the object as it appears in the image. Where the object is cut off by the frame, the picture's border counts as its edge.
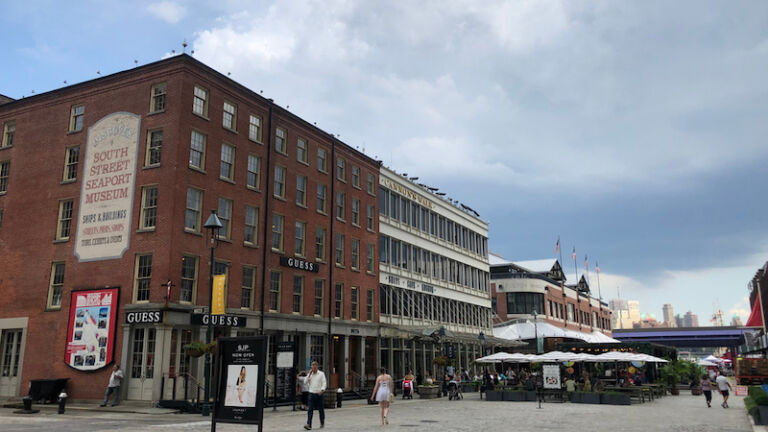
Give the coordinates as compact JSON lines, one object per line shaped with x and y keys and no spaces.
{"x":10,"y":351}
{"x":142,"y":367}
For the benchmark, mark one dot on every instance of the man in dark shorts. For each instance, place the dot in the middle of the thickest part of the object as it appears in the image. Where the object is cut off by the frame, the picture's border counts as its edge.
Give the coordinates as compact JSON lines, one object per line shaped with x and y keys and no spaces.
{"x":723,"y":385}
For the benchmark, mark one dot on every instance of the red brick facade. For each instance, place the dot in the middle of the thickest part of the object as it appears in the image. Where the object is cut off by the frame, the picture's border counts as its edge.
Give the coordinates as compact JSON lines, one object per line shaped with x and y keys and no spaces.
{"x":30,"y":208}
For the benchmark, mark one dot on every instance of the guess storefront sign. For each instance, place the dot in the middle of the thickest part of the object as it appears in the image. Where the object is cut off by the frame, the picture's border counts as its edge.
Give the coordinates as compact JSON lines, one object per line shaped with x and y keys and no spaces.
{"x":144,"y":317}
{"x":218,"y":320}
{"x":299,"y":264}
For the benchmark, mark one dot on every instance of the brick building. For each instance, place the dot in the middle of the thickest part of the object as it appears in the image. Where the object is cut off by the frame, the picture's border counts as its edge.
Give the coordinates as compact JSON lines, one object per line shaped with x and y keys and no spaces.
{"x":104,"y":188}
{"x":519,"y":288}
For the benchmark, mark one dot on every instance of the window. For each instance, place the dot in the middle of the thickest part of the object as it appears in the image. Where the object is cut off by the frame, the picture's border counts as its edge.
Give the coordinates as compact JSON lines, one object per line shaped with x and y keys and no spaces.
{"x":322,"y":160}
{"x":65,"y":219}
{"x":338,"y":300}
{"x":148,"y":218}
{"x":253,"y":180}
{"x":301,"y":191}
{"x":300,"y":234}
{"x":275,"y":280}
{"x":56,"y":285}
{"x":355,"y":254}
{"x":254,"y":128}
{"x":320,"y":244}
{"x":571,"y":312}
{"x":301,"y":150}
{"x":356,"y":177}
{"x":142,"y":278}
{"x":383,"y":201}
{"x":340,"y":170}
{"x":369,"y":305}
{"x":76,"y":114}
{"x":298,"y":289}
{"x":154,"y":147}
{"x":227,"y":169}
{"x":369,"y":256}
{"x":369,"y":217}
{"x":200,"y":103}
{"x":157,"y":102}
{"x":247,"y":284}
{"x":371,"y":187}
{"x":225,"y":216}
{"x":188,"y":279}
{"x":354,"y":302}
{"x":321,"y":195}
{"x":277,"y":232}
{"x":251,"y":224}
{"x":194,"y":208}
{"x":229,"y":116}
{"x":197,"y":150}
{"x":340,"y":198}
{"x":316,"y":344}
{"x":9,"y":129}
{"x":319,"y":288}
{"x":71,"y":160}
{"x":279,"y":191}
{"x":280,"y":146}
{"x":339,"y":249}
{"x":355,"y":212}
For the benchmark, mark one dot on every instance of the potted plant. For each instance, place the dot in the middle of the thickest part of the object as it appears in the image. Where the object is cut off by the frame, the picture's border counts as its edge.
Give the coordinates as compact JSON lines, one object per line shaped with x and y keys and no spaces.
{"x":615,"y":398}
{"x":429,"y":391}
{"x":670,"y":375}
{"x":495,"y":394}
{"x":586,"y":397}
{"x":514,"y":394}
{"x":197,"y":349}
{"x":756,"y":404}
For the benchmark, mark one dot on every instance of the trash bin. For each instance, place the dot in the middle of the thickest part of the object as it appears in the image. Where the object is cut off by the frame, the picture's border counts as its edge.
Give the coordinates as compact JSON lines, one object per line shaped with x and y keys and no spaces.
{"x":62,"y":401}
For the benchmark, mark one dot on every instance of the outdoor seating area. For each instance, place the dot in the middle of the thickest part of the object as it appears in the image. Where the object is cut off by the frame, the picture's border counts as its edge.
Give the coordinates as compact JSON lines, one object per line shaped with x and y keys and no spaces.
{"x":605,"y":378}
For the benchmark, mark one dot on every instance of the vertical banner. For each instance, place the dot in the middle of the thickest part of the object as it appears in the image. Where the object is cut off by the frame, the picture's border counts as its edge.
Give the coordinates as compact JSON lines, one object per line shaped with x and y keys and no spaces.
{"x":106,"y":197}
{"x":239,"y":396}
{"x":285,"y":361}
{"x":91,"y":331}
{"x":551,"y":376}
{"x":218,"y":303}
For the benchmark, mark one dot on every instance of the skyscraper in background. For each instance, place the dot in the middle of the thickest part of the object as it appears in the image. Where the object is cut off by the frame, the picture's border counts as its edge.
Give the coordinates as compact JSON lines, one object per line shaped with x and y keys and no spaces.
{"x":690,"y":319}
{"x":669,"y":316}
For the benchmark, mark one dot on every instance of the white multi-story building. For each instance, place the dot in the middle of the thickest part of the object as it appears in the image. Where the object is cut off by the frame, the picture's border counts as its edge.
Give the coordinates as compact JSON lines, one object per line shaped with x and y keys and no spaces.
{"x":434,"y":277}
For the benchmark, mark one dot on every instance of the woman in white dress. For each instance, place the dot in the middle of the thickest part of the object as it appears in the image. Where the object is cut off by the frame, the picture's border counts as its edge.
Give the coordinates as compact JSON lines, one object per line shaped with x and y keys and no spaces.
{"x":382,"y":391}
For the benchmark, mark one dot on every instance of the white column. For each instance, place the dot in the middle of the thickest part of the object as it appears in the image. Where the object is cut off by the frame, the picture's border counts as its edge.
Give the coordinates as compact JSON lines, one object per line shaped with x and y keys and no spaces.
{"x":343,"y":378}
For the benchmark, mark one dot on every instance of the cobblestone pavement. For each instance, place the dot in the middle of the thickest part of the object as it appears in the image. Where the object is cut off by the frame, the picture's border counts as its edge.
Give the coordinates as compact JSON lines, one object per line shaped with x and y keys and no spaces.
{"x":676,"y":414}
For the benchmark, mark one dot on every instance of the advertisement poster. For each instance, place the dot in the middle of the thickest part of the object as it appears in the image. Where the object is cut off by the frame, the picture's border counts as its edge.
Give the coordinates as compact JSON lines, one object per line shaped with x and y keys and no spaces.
{"x":551,"y":376}
{"x":219,"y":282}
{"x":240,"y":380}
{"x":106,"y":198}
{"x":91,"y":331}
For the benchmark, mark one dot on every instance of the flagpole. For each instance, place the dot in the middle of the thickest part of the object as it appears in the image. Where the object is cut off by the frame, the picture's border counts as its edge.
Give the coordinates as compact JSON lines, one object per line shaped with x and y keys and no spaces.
{"x":597,"y":269}
{"x":575,"y":268}
{"x":560,"y":250}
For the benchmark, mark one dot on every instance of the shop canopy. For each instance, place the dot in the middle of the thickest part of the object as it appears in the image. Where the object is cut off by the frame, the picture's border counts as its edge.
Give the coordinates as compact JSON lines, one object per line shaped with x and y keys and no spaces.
{"x":522,"y":330}
{"x":558,"y":356}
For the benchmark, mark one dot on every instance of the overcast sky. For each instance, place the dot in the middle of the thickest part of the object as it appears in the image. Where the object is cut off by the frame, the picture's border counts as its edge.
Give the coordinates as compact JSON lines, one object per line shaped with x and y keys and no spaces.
{"x":633,"y":130}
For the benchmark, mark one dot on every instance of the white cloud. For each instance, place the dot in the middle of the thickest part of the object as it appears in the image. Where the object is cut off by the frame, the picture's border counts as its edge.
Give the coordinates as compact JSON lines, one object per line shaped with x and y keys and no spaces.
{"x":167,"y":11}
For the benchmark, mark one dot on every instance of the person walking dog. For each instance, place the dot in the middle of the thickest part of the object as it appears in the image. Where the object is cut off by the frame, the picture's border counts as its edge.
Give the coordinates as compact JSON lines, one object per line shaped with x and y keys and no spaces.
{"x":317,"y":386}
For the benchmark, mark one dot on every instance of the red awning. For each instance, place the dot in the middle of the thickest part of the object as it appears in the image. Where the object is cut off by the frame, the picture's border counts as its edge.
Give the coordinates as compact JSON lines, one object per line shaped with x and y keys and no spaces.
{"x":756,"y":316}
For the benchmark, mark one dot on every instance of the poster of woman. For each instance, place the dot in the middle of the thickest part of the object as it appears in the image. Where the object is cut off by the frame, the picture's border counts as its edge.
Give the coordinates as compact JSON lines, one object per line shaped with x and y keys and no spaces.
{"x":242,"y":385}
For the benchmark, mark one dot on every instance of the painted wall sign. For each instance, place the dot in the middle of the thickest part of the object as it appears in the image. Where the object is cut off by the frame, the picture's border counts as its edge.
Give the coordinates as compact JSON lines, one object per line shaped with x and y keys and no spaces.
{"x":91,"y":331}
{"x":299,"y":264}
{"x":219,"y":320}
{"x":144,"y":317}
{"x":106,"y":196}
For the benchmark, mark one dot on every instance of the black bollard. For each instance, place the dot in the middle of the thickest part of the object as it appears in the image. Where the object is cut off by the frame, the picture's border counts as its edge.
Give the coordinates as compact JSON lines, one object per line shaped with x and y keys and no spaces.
{"x":62,"y":401}
{"x":27,"y":403}
{"x":339,"y":397}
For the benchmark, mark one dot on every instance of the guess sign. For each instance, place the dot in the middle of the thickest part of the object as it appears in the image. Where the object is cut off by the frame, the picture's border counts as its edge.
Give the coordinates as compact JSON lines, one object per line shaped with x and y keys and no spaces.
{"x":144,"y":317}
{"x":218,"y":320}
{"x":299,"y":264}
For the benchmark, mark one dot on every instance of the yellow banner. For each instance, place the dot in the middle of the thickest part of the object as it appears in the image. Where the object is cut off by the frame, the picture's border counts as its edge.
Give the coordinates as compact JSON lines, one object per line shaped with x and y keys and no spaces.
{"x":218,"y":303}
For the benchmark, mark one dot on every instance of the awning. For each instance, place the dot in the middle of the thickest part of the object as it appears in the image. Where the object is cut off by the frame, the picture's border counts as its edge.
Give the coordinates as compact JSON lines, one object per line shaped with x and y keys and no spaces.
{"x":756,"y":316}
{"x":523,"y":330}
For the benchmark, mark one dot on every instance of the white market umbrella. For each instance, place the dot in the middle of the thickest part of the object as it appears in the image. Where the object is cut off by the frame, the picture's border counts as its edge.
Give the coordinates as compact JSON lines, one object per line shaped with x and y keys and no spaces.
{"x":703,"y":362}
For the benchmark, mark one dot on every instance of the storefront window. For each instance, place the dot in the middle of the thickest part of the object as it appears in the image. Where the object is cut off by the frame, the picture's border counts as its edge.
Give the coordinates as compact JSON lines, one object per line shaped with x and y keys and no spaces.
{"x":525,"y":303}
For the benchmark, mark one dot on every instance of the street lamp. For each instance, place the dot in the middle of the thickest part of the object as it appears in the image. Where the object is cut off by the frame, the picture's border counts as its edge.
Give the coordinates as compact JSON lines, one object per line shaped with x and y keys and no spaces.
{"x":535,"y":330}
{"x":439,"y":335}
{"x":213,"y":224}
{"x":481,"y":336}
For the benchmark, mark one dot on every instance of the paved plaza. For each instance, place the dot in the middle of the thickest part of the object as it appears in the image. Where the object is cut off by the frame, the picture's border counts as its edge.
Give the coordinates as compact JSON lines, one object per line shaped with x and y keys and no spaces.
{"x":672,"y":413}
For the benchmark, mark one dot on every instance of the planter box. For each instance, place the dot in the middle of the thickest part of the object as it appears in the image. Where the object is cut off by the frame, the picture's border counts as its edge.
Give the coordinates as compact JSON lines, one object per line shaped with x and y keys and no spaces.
{"x":589,"y":398}
{"x":514,"y":396}
{"x":574,"y":397}
{"x":530,"y":396}
{"x":493,"y":395}
{"x":762,"y":417}
{"x":428,"y":392}
{"x":615,"y":399}
{"x":468,"y":388}
{"x":696,"y":391}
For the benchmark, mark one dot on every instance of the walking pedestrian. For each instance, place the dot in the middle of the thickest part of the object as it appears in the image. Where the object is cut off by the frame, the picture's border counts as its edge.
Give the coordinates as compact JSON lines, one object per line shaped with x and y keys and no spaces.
{"x":317,"y":386}
{"x":706,"y":388}
{"x":115,"y":379}
{"x":723,"y":386}
{"x":382,"y":391}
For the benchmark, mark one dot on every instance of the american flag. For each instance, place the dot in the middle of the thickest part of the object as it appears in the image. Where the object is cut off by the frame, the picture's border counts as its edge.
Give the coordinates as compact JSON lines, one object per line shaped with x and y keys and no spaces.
{"x":597,"y":267}
{"x":557,"y":246}
{"x":573,"y":255}
{"x":585,"y":261}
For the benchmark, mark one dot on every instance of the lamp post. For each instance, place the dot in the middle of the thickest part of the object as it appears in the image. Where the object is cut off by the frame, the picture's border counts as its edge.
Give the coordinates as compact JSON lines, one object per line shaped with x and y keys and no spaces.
{"x":535,"y":330}
{"x":213,"y":224}
{"x":440,"y":335}
{"x":481,"y":336}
